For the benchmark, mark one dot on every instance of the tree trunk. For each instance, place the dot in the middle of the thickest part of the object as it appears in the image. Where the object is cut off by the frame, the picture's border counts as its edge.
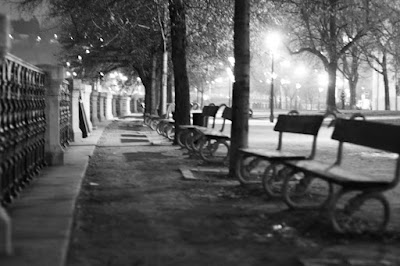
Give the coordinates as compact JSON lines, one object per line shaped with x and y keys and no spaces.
{"x":331,"y":98}
{"x":178,"y":41}
{"x":385,"y":81}
{"x":353,"y":86}
{"x":153,"y":93}
{"x":163,"y":93}
{"x":170,"y":87}
{"x":241,"y":87}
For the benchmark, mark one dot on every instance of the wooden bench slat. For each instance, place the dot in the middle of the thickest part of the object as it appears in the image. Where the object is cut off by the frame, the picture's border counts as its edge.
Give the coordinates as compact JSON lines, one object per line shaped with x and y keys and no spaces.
{"x":302,"y":124}
{"x":335,"y":173}
{"x":272,"y":154}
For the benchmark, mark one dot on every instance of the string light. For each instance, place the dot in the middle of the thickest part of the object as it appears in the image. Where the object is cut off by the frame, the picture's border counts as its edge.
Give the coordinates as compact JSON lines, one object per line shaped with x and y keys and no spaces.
{"x":79,"y":58}
{"x":87,"y":51}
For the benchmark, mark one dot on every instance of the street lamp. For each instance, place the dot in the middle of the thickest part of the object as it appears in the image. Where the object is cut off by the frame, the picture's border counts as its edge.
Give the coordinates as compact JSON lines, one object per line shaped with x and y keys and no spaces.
{"x":273,"y":40}
{"x":297,"y":102}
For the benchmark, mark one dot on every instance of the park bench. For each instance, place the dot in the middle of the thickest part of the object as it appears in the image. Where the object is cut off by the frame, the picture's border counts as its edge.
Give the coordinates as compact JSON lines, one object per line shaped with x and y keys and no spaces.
{"x":211,"y":143}
{"x":186,"y":132}
{"x":274,"y":171}
{"x":163,"y":125}
{"x":349,"y":191}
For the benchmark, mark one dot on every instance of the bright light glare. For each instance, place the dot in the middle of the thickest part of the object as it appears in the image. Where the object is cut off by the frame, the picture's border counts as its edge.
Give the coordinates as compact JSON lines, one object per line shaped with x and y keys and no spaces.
{"x":217,"y":80}
{"x":285,"y":63}
{"x":230,"y":74}
{"x":300,"y":71}
{"x":323,"y":79}
{"x":273,"y":40}
{"x":231,"y":60}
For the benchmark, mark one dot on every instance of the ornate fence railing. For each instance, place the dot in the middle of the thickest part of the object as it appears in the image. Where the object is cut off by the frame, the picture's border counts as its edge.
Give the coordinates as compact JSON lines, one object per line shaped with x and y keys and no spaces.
{"x":22,"y":125}
{"x":66,"y":135}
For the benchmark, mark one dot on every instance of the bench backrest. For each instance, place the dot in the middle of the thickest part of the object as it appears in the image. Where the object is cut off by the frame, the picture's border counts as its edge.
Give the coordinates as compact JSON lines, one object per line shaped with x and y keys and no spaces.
{"x":226,"y":115}
{"x":300,"y":124}
{"x":209,"y":111}
{"x":368,"y":133}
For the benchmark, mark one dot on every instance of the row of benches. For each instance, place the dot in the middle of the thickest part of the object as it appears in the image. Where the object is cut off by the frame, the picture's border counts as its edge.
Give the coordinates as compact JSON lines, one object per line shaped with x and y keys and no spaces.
{"x":291,"y":176}
{"x":207,"y":141}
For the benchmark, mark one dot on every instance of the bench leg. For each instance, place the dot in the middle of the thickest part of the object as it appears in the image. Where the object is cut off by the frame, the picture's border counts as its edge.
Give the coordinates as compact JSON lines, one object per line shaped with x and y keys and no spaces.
{"x":273,"y":177}
{"x":245,"y":169}
{"x":302,"y":191}
{"x":358,"y":212}
{"x":214,"y":151}
{"x":5,"y":233}
{"x":181,"y":137}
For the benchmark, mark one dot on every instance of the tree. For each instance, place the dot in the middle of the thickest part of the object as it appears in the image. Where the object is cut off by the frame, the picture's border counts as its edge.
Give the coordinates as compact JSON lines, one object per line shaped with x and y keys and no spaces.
{"x":177,"y":13}
{"x":241,"y":87}
{"x":319,"y":27}
{"x":382,"y":43}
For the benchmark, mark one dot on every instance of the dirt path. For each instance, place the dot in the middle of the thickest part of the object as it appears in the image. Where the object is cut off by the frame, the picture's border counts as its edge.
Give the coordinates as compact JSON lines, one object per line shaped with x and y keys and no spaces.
{"x":135,"y":209}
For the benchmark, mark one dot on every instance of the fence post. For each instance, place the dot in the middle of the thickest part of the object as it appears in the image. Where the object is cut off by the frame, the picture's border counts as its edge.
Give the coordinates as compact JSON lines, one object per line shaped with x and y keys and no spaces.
{"x":93,"y":108}
{"x":114,"y":105}
{"x":101,"y":106}
{"x":85,"y":92}
{"x":55,"y":77}
{"x":109,"y":98}
{"x":76,"y":88}
{"x":125,"y":106}
{"x":5,"y":221}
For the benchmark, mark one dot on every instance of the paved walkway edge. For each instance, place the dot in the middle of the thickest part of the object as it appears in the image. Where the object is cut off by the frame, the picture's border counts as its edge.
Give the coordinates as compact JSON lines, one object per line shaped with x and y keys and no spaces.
{"x":42,"y":216}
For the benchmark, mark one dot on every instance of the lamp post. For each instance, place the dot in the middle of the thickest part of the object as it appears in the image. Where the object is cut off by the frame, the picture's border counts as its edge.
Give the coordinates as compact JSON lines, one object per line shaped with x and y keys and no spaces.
{"x":297,"y":102}
{"x":271,"y":97}
{"x":231,"y":77}
{"x":273,"y":40}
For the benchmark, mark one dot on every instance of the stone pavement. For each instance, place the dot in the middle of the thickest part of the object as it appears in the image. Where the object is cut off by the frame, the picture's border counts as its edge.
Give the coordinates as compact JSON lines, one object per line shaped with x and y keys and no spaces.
{"x":43,"y":214}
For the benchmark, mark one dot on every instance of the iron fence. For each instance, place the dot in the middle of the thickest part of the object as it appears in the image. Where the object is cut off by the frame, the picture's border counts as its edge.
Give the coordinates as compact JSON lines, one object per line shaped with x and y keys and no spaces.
{"x":22,"y":125}
{"x":66,"y":135}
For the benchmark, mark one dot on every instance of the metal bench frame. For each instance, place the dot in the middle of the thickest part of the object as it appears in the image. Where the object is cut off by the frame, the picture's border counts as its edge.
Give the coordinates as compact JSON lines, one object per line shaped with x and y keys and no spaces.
{"x":207,"y":141}
{"x":364,"y":133}
{"x":274,"y":172}
{"x":185,"y":132}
